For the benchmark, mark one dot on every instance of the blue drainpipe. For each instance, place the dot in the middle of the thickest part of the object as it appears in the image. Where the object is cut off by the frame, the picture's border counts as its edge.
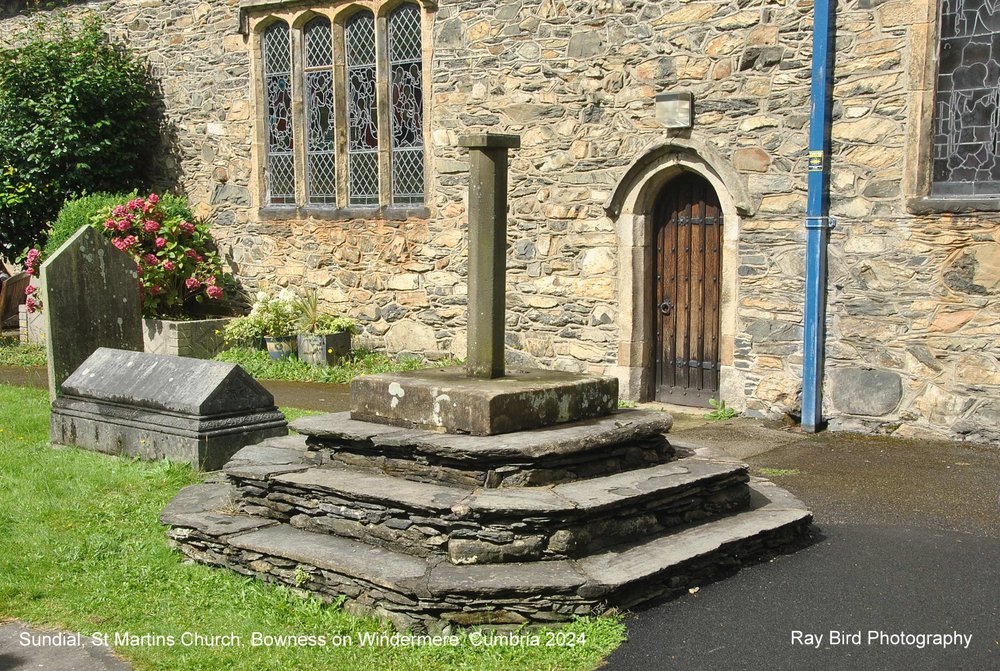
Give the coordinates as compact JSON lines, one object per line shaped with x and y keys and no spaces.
{"x":818,"y":222}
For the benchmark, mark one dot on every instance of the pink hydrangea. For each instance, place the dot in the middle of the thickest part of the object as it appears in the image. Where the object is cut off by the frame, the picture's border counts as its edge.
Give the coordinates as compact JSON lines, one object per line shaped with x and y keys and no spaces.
{"x":150,"y":226}
{"x":110,"y":224}
{"x":153,"y":198}
{"x":160,"y":243}
{"x":119,"y":243}
{"x":118,"y":211}
{"x":213,"y":292}
{"x":155,"y":289}
{"x":187,"y":227}
{"x":123,"y":225}
{"x":151,"y":259}
{"x":190,"y":253}
{"x":192,"y":283}
{"x":168,"y":265}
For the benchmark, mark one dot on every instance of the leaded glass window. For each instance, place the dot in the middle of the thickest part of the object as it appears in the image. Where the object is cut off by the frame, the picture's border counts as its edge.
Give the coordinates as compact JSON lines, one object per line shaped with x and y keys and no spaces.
{"x":407,"y":108}
{"x":362,"y":111}
{"x":321,"y":155}
{"x":966,"y":161}
{"x":277,"y":58}
{"x":324,"y":105}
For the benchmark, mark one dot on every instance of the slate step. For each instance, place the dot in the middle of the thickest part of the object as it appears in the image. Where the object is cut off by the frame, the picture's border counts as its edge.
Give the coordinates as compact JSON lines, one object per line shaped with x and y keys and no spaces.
{"x":619,"y":442}
{"x":483,"y":525}
{"x":427,"y":593}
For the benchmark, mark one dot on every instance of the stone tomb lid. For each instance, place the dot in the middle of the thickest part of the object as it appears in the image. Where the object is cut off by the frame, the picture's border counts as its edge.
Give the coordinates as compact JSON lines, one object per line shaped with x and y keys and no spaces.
{"x":169,"y":383}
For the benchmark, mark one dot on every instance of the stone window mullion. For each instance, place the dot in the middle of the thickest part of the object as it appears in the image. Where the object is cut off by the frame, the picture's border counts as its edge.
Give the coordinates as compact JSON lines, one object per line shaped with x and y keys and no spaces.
{"x":298,"y":117}
{"x":340,"y":103}
{"x":382,"y":76}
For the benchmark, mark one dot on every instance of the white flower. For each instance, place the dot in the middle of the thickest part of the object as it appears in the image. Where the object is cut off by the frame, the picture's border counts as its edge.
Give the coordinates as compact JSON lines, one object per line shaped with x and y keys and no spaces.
{"x":287,"y":295}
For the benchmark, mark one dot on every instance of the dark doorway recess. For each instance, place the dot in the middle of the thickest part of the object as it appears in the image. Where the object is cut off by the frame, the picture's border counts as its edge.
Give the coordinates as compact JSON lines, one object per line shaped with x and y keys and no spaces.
{"x":687,"y":221}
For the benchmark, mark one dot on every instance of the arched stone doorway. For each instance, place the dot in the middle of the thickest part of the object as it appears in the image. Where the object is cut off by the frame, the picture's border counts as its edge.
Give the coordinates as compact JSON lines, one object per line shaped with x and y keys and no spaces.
{"x":687,"y":224}
{"x":642,"y":191}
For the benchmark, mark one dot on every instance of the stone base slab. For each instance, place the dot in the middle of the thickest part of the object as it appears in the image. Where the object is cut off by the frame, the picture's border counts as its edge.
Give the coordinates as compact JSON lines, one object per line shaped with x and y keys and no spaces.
{"x":205,"y":442}
{"x":447,"y":400}
{"x":481,"y":525}
{"x":432,"y":594}
{"x":624,"y":440}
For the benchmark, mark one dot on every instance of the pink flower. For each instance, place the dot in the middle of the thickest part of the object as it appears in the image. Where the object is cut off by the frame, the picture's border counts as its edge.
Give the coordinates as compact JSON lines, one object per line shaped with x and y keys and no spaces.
{"x":153,"y":198}
{"x":33,"y":256}
{"x":199,"y":258}
{"x":119,"y":243}
{"x":187,"y":227}
{"x":29,"y":290}
{"x":150,"y":226}
{"x":119,"y":211}
{"x":130,"y":241}
{"x":210,"y":280}
{"x":123,"y":225}
{"x":160,"y":243}
{"x":155,"y":289}
{"x":190,"y":253}
{"x":214,"y":292}
{"x":192,"y":283}
{"x":31,"y":304}
{"x":168,"y":265}
{"x":151,"y":259}
{"x":109,"y":224}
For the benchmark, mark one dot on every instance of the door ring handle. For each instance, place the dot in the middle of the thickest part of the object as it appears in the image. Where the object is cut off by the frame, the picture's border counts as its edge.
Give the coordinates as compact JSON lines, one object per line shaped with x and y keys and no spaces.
{"x":666,"y":307}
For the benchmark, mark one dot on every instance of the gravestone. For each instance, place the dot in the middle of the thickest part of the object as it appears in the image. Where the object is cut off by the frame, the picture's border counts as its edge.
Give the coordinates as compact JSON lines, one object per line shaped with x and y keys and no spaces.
{"x":91,"y":299}
{"x":154,"y":407}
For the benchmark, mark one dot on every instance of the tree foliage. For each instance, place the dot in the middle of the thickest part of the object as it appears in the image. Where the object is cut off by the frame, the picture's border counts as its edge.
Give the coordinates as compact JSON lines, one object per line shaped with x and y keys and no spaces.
{"x":77,"y":115}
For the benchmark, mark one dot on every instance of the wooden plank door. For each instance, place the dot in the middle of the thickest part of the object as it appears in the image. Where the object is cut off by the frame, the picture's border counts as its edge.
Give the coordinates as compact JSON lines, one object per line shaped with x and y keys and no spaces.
{"x":688,"y":227}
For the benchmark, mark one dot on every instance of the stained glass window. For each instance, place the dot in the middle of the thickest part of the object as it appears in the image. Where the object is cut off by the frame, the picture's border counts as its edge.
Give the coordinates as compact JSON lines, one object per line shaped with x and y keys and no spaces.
{"x":280,"y":171}
{"x":362,"y":113}
{"x":407,"y":110}
{"x":966,"y":159}
{"x":321,"y":159}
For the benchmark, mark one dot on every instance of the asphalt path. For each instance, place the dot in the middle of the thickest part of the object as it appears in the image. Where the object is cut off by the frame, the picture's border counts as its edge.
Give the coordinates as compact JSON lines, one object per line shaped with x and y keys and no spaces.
{"x":906,"y":543}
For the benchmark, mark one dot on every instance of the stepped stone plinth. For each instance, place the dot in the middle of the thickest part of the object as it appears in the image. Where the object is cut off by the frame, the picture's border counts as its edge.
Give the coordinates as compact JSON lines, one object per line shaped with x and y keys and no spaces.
{"x":429,"y":530}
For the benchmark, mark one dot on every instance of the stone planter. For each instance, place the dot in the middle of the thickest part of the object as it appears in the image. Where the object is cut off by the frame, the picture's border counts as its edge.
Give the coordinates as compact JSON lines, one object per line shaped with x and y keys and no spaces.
{"x":280,"y":347}
{"x":197,"y":338}
{"x":325,"y":349}
{"x":31,"y":326}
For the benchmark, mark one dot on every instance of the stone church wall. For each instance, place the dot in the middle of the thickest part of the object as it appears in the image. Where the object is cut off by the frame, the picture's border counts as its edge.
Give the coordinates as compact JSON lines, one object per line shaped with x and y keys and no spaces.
{"x":913,"y":319}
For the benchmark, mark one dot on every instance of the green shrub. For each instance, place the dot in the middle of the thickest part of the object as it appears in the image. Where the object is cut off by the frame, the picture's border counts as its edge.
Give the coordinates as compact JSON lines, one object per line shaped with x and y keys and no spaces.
{"x":77,"y":115}
{"x":77,"y":212}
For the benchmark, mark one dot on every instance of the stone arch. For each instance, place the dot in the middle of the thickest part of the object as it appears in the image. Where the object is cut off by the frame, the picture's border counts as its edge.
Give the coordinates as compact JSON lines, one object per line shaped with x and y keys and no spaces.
{"x":630,"y":206}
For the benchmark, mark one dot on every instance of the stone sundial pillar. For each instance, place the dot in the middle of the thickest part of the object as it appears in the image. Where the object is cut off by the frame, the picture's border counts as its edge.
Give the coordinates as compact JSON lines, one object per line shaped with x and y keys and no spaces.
{"x":487,"y":251}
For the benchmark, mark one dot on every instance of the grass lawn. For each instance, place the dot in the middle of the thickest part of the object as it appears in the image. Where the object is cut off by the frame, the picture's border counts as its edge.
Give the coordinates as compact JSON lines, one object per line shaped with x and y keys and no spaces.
{"x":81,"y":549}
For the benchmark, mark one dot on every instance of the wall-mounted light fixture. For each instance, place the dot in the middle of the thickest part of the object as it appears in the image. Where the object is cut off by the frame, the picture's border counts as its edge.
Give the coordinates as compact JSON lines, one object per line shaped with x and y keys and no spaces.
{"x":675,"y":110}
